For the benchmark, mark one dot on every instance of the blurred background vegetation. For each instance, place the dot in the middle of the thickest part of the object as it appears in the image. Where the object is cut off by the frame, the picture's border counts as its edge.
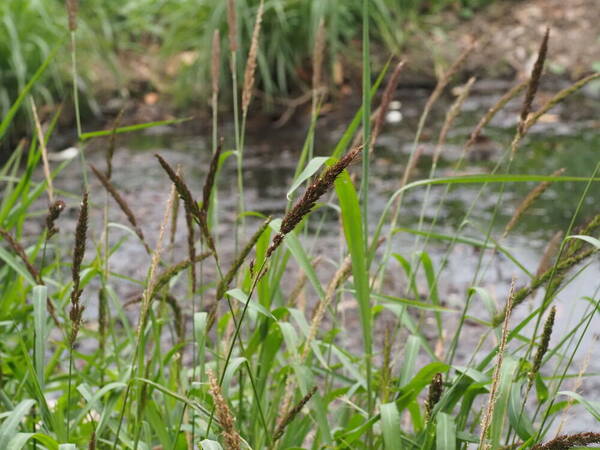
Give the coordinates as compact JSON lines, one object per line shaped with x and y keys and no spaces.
{"x":166,"y":43}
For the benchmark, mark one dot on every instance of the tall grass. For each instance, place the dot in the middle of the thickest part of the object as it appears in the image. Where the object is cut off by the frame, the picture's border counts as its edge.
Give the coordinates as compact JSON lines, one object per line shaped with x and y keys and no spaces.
{"x":256,"y":369}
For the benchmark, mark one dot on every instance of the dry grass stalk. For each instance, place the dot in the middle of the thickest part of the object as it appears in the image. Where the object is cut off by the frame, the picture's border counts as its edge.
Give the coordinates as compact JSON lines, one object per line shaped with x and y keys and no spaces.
{"x":72,"y":7}
{"x":487,"y":417}
{"x":412,"y":164}
{"x":560,"y":96}
{"x":287,"y":419}
{"x":230,"y":434}
{"x":451,"y":116}
{"x":239,"y":260}
{"x":339,"y":277}
{"x":317,"y":59}
{"x":549,"y":253}
{"x":543,"y":347}
{"x":312,"y":193}
{"x":576,"y":385}
{"x":123,"y":205}
{"x":54,"y":211}
{"x":568,"y":441}
{"x":162,"y":279}
{"x":44,"y":151}
{"x":491,"y":113}
{"x":386,"y":99}
{"x":533,"y":195}
{"x":534,"y":82}
{"x":435,"y":393}
{"x":156,"y":256}
{"x":232,"y":25}
{"x":297,"y":297}
{"x":249,"y":74}
{"x":215,"y":66}
{"x":76,"y":312}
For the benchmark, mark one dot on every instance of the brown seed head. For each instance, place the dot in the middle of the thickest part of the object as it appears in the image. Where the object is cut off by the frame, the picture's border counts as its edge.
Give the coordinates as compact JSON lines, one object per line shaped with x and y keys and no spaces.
{"x":251,"y":62}
{"x":308,"y":201}
{"x":54,"y":211}
{"x":232,"y":25}
{"x":72,"y":7}
{"x":435,"y":393}
{"x":543,"y":347}
{"x":230,"y":435}
{"x":534,"y":81}
{"x":215,"y":63}
{"x":567,"y":441}
{"x":287,"y":419}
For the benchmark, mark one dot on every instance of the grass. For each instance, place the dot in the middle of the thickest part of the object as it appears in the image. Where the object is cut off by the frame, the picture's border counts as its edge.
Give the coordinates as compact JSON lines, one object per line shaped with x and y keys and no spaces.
{"x":221,"y":352}
{"x":178,"y":36}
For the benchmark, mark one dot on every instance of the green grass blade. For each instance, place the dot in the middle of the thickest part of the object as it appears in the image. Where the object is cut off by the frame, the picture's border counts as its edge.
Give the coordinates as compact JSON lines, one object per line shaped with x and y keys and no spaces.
{"x":445,"y":431}
{"x":7,"y":120}
{"x":9,"y":428}
{"x":353,"y":231}
{"x":130,"y":128}
{"x":390,"y":424}
{"x":39,"y":320}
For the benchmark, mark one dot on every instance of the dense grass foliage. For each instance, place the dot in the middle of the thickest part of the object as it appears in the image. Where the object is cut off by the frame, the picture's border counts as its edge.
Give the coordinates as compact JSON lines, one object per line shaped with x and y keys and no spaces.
{"x":214,"y":351}
{"x":180,"y":32}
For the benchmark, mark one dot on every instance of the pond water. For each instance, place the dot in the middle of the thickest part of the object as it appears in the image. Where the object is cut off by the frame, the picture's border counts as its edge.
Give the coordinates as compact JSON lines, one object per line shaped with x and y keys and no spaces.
{"x":568,"y":138}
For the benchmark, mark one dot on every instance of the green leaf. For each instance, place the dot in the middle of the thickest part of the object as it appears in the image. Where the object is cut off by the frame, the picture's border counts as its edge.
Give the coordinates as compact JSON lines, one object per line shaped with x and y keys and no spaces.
{"x":590,"y":240}
{"x":242,"y":297}
{"x":390,"y":424}
{"x":507,"y":372}
{"x":292,"y":242}
{"x":21,"y":439}
{"x":517,"y":415}
{"x":40,"y":314}
{"x":411,"y":350}
{"x":353,"y":231}
{"x":130,"y":128}
{"x":592,"y":407}
{"x":9,"y":428}
{"x":445,"y":431}
{"x":310,"y":169}
{"x":208,"y":444}
{"x":16,"y":265}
